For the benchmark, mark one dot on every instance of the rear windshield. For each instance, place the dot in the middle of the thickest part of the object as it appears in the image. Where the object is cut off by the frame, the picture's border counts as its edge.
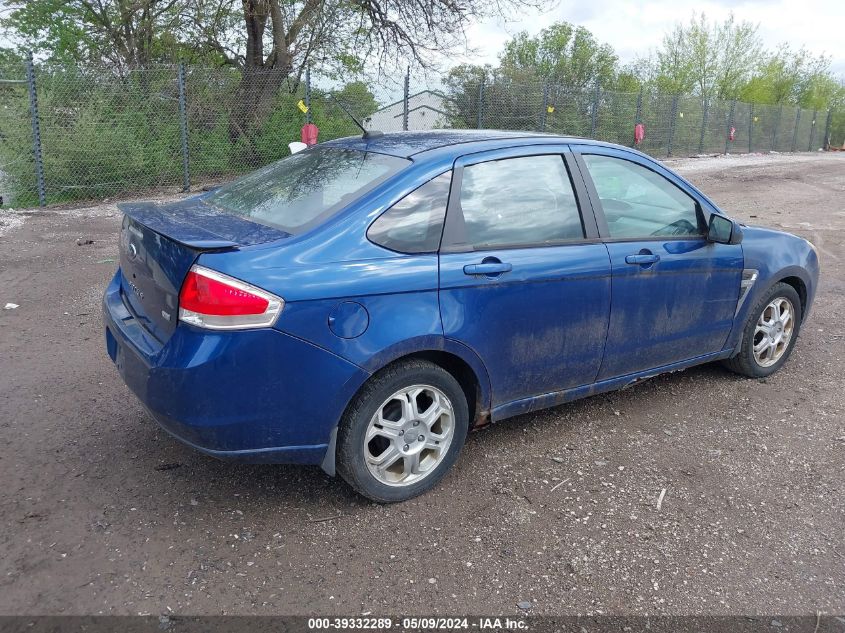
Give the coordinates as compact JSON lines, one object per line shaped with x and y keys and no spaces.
{"x":302,"y":190}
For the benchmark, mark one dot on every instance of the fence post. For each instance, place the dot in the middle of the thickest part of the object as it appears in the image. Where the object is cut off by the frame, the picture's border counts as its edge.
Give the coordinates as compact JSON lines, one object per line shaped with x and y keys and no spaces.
{"x":183,"y":129}
{"x":731,"y":114}
{"x":827,"y":125}
{"x":480,"y":111}
{"x":776,"y":127}
{"x":639,"y":115}
{"x":703,"y":125}
{"x":545,"y":107}
{"x":308,"y":94}
{"x":593,"y":119}
{"x":812,"y":131}
{"x":673,"y":116}
{"x":751,"y":129}
{"x":406,"y":95}
{"x":795,"y":131}
{"x":36,"y":131}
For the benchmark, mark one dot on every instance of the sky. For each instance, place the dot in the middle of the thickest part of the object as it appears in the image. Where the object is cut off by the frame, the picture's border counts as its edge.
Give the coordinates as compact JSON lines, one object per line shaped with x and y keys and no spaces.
{"x":633,"y":28}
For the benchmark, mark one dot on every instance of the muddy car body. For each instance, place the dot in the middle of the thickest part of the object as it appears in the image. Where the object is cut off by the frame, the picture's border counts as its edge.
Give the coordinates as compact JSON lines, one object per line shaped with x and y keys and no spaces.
{"x":362,"y":304}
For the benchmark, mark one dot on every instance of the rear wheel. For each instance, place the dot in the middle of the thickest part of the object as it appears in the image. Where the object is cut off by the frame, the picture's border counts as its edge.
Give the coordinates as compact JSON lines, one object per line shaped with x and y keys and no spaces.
{"x":402,"y":432}
{"x":770,"y":333}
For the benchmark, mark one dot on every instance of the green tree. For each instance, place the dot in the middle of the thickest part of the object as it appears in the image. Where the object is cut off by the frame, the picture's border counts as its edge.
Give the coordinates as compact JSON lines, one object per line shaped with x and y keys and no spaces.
{"x":271,"y":41}
{"x":626,"y":80}
{"x":493,"y":97}
{"x":821,"y":91}
{"x":542,"y":82}
{"x":11,"y":63}
{"x":561,"y":54}
{"x":789,"y":76}
{"x":712,"y":60}
{"x":125,"y":34}
{"x":357,"y":98}
{"x":462,"y":87}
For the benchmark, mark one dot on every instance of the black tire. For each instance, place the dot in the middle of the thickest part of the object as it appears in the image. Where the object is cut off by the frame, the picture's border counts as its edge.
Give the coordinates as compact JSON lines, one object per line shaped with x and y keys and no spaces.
{"x":351,"y":459}
{"x":744,"y":362}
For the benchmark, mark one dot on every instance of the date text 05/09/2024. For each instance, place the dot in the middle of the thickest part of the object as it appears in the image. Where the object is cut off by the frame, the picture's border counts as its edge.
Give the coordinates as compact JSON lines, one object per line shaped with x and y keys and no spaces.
{"x":418,"y":623}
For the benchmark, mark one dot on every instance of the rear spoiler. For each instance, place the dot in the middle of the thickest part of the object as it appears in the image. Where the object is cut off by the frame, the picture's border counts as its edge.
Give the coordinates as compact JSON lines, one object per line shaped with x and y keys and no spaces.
{"x":179,"y":227}
{"x":199,"y":226}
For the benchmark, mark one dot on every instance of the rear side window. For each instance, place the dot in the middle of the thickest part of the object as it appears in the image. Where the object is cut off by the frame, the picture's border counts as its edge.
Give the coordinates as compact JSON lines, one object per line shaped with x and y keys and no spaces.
{"x":519,"y":201}
{"x":303,"y":190}
{"x":638,"y":202}
{"x":415,"y":223}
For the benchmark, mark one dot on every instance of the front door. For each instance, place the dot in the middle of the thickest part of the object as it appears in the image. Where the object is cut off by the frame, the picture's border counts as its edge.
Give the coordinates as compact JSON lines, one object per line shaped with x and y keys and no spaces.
{"x":673,"y":294}
{"x":524,"y":281}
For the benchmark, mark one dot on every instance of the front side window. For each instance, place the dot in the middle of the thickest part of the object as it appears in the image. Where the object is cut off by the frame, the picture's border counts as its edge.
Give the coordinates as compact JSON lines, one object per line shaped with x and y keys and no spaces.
{"x":638,"y":202}
{"x":519,"y":201}
{"x":415,"y":223}
{"x":303,"y":190}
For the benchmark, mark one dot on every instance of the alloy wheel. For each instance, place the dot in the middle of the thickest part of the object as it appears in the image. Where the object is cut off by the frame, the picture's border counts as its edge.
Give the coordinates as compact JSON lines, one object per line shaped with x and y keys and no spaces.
{"x":409,"y":435}
{"x":773,"y":331}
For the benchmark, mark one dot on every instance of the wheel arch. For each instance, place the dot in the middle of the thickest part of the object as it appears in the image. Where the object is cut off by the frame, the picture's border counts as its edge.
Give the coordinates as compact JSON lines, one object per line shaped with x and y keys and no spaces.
{"x":800,"y":287}
{"x":464,"y":374}
{"x":456,"y":358}
{"x":742,"y":360}
{"x":793,"y":276}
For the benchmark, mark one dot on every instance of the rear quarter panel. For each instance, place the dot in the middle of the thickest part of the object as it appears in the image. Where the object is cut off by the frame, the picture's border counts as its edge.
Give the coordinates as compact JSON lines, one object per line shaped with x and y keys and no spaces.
{"x":336,"y":263}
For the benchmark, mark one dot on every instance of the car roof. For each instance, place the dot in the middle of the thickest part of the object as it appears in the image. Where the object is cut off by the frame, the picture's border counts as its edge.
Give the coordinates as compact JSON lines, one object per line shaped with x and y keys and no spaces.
{"x":408,"y":144}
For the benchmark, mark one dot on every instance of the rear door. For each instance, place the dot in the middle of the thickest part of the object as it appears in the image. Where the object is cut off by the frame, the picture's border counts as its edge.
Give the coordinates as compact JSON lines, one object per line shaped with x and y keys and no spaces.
{"x":524,"y":280}
{"x":674,"y":294}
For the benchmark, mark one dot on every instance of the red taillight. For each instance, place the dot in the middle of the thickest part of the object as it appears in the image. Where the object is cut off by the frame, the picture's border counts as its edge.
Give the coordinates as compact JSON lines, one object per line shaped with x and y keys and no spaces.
{"x":209,"y":296}
{"x":214,"y":300}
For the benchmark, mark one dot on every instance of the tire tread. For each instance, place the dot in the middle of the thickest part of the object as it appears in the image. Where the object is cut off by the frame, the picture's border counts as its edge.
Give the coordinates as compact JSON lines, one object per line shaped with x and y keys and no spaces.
{"x":346,"y":449}
{"x":743,"y":363}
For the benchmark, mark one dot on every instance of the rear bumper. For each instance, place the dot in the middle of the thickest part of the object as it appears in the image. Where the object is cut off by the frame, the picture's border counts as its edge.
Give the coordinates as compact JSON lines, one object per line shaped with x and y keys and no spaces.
{"x":258,"y":396}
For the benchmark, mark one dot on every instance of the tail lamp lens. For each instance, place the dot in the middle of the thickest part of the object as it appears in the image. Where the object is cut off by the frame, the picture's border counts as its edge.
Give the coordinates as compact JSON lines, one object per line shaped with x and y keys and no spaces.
{"x":216,"y":301}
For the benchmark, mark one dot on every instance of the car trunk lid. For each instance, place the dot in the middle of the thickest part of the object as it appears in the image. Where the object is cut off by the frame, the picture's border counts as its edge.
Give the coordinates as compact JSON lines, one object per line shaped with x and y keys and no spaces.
{"x":160,"y":243}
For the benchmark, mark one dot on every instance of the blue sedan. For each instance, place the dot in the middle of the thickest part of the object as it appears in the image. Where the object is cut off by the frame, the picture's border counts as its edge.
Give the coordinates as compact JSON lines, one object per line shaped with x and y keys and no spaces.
{"x":364,"y":303}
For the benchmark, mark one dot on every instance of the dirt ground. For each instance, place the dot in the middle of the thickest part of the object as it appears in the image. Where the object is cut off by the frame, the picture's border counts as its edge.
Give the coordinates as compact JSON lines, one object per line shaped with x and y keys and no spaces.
{"x":102,"y":512}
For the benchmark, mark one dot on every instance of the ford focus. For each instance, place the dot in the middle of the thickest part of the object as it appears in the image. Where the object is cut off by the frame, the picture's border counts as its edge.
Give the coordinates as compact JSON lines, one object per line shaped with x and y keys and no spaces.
{"x":364,"y":303}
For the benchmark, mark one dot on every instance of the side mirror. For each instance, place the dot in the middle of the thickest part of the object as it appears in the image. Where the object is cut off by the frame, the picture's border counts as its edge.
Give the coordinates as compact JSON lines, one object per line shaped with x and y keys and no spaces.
{"x":723,"y":230}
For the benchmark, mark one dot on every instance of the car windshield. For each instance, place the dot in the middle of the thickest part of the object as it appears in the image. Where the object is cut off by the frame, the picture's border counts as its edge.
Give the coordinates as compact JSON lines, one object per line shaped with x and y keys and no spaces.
{"x":303,"y":190}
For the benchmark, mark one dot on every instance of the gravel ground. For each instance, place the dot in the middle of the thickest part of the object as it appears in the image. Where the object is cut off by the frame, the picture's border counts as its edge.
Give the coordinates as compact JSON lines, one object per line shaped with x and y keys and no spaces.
{"x":104,"y":513}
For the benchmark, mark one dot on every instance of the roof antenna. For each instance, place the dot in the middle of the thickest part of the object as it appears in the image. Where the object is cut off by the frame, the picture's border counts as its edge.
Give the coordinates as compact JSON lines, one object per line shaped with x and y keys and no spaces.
{"x":367,"y":134}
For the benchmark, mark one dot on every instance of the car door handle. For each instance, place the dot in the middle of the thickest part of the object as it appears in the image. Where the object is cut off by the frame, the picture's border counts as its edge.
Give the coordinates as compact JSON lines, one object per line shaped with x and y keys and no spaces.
{"x":487,"y":268}
{"x":642,"y":259}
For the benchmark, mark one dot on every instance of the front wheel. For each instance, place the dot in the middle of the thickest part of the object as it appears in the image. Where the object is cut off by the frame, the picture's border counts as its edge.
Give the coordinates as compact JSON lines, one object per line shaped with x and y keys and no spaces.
{"x":769,"y":334}
{"x":402,"y":432}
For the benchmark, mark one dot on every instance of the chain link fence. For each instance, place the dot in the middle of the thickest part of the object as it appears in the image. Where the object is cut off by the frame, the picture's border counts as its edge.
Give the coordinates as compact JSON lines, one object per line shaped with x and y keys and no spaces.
{"x":70,"y":135}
